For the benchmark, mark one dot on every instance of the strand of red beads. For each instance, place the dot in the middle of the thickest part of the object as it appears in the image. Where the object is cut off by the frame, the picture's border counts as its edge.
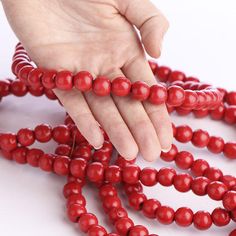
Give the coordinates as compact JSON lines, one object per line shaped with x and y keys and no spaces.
{"x":74,"y":156}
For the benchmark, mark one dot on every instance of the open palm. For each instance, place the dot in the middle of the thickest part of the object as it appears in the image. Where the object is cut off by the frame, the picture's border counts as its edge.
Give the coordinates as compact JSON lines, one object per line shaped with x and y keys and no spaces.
{"x":99,"y":37}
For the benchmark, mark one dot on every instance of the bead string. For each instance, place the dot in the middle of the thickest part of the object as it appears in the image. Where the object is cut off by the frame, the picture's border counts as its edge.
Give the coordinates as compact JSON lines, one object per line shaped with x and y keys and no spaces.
{"x":74,"y":156}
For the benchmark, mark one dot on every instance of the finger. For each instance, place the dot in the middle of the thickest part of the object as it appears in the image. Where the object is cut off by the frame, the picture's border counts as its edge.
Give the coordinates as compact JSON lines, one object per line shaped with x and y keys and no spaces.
{"x":157,"y":114}
{"x":149,"y":20}
{"x":110,"y":119}
{"x":78,"y":109}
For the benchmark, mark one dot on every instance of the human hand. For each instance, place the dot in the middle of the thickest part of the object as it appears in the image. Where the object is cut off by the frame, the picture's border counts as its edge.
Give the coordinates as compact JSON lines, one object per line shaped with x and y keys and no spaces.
{"x":98,"y":36}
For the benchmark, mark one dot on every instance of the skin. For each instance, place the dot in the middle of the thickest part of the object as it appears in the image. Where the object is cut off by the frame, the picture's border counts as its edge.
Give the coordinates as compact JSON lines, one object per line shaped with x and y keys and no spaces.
{"x":99,"y":36}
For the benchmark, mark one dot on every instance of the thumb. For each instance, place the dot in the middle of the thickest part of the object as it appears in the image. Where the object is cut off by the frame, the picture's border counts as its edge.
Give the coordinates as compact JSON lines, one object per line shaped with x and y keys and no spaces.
{"x":149,"y":20}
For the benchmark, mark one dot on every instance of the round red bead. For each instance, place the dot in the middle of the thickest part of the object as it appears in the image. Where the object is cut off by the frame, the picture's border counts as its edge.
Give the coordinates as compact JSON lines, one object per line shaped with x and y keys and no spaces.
{"x":149,"y":208}
{"x":140,"y":90}
{"x":202,"y":220}
{"x":216,"y":190}
{"x":74,"y":212}
{"x":83,"y":81}
{"x":184,"y":216}
{"x":87,"y":221}
{"x":121,"y":86}
{"x":138,"y":230}
{"x":165,"y":215}
{"x":95,"y":172}
{"x":166,"y":176}
{"x":148,"y":176}
{"x":220,"y":217}
{"x":158,"y":94}
{"x":176,"y":96}
{"x":101,"y":86}
{"x":229,"y":200}
{"x":64,"y":80}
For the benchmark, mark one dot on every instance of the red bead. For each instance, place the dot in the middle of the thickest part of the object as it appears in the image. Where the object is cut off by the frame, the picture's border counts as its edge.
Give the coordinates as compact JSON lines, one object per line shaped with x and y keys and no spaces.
{"x":158,"y":94}
{"x":107,"y":190}
{"x":43,"y":133}
{"x":165,"y":215}
{"x":166,"y":176}
{"x":122,"y":162}
{"x":18,"y":88}
{"x":8,"y":141}
{"x":170,"y":155}
{"x":200,"y":113}
{"x":61,"y":165}
{"x":199,"y":185}
{"x":95,"y":172}
{"x":216,"y":190}
{"x":229,"y":200}
{"x":231,"y":98}
{"x":229,"y":181}
{"x":136,"y":200}
{"x":78,"y":167}
{"x":220,"y":217}
{"x":97,"y":230}
{"x":4,"y":88}
{"x":190,"y":100}
{"x":87,"y":221}
{"x":63,"y":150}
{"x":148,"y":176}
{"x":113,"y":174}
{"x":61,"y":134}
{"x":48,"y":79}
{"x":34,"y":77}
{"x":140,"y":90}
{"x":176,"y":76}
{"x":82,"y":151}
{"x":230,"y":150}
{"x":19,"y":155}
{"x":216,"y":144}
{"x":117,"y":213}
{"x":130,"y":188}
{"x":199,"y":167}
{"x":149,"y":208}
{"x":202,"y":220}
{"x":130,"y":174}
{"x":33,"y":156}
{"x":184,"y":216}
{"x":138,"y":230}
{"x":83,"y":81}
{"x":121,"y":86}
{"x":102,"y":86}
{"x":184,"y":133}
{"x":230,"y":115}
{"x":71,"y":189}
{"x":110,"y":202}
{"x":200,"y":138}
{"x":23,"y":73}
{"x":233,"y":233}
{"x":184,"y":160}
{"x":176,"y":96}
{"x":182,"y":182}
{"x":75,"y":211}
{"x":46,"y":162}
{"x":153,"y":66}
{"x":37,"y":92}
{"x":76,"y":199}
{"x":233,"y":215}
{"x":213,"y":173}
{"x":123,"y":225}
{"x":218,"y":113}
{"x":163,"y":73}
{"x":64,"y":80}
{"x":25,"y":137}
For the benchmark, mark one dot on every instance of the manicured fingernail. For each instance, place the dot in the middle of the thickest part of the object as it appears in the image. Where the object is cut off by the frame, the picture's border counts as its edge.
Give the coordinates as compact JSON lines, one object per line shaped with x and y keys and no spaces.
{"x":99,"y":147}
{"x":166,"y":149}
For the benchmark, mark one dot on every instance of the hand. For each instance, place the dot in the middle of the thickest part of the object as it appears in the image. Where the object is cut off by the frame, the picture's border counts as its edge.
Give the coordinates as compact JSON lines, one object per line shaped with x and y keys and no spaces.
{"x":99,"y":36}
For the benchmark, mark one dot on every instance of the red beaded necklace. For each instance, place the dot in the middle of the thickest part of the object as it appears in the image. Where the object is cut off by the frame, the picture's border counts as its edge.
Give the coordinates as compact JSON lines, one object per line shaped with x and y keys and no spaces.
{"x":75,"y":158}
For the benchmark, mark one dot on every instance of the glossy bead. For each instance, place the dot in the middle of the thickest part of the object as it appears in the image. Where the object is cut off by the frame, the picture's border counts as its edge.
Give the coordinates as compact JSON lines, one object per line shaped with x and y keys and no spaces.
{"x":33,"y":156}
{"x":117,"y":213}
{"x":176,"y":76}
{"x":166,"y":176}
{"x":136,"y":200}
{"x":230,"y":150}
{"x":153,"y":66}
{"x":71,"y":189}
{"x":170,"y":155}
{"x":216,"y":190}
{"x":158,"y":94}
{"x":23,"y":73}
{"x":200,"y":138}
{"x":34,"y":77}
{"x":64,"y":80}
{"x":199,"y":185}
{"x":97,"y":230}
{"x":95,"y":172}
{"x":140,"y":91}
{"x":46,"y":162}
{"x":18,"y":88}
{"x":121,"y":86}
{"x":130,"y":188}
{"x":229,"y":200}
{"x":148,"y":176}
{"x":216,"y":144}
{"x":149,"y":208}
{"x":190,"y":100}
{"x":199,"y":166}
{"x":61,"y":134}
{"x":176,"y":96}
{"x":76,"y":199}
{"x":19,"y":155}
{"x":202,"y":220}
{"x":220,"y":217}
{"x":233,"y":233}
{"x":74,"y":212}
{"x":218,"y":113}
{"x":110,"y":202}
{"x":182,"y":182}
{"x":130,"y":174}
{"x":113,"y":174}
{"x":184,"y":216}
{"x":43,"y":133}
{"x":123,"y":225}
{"x":230,"y":115}
{"x":184,"y":160}
{"x":231,"y":98}
{"x":48,"y":79}
{"x":162,"y":73}
{"x":102,"y":86}
{"x":8,"y":141}
{"x":61,"y":165}
{"x":229,"y":181}
{"x":86,"y":221}
{"x":83,"y":81}
{"x":107,"y":190}
{"x":25,"y":137}
{"x":4,"y":88}
{"x":78,"y":167}
{"x":184,"y":134}
{"x":138,"y":230}
{"x":63,"y":150}
{"x":165,"y":215}
{"x":213,"y":173}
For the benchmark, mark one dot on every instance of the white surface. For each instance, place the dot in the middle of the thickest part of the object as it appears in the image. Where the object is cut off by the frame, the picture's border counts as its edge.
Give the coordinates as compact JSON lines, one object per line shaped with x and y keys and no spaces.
{"x":201,"y":42}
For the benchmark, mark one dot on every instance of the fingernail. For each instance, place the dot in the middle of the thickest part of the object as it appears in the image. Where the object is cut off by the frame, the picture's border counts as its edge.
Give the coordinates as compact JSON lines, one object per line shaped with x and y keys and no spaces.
{"x":99,"y":147}
{"x":166,"y":149}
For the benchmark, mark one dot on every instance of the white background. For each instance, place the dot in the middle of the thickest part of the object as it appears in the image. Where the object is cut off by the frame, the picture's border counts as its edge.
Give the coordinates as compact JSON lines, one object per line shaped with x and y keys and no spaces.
{"x":201,"y":42}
